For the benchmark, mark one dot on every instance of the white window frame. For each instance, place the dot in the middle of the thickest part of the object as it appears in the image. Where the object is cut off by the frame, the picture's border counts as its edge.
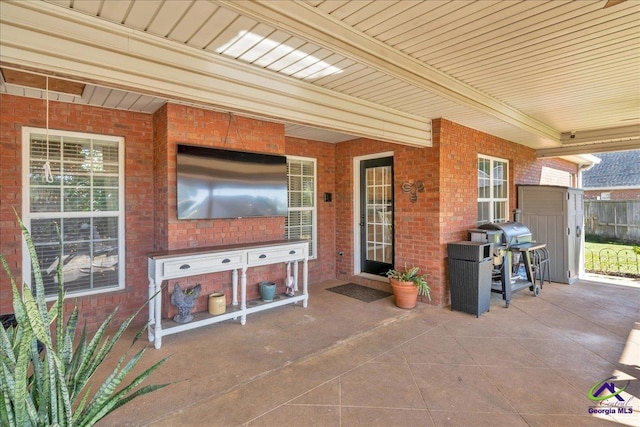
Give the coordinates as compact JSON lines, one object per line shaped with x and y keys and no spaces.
{"x":492,"y":199}
{"x":28,"y":216}
{"x":313,"y":245}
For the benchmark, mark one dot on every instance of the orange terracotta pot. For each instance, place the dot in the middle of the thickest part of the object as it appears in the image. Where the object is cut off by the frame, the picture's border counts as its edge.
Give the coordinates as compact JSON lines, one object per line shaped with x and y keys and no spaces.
{"x":406,"y":293}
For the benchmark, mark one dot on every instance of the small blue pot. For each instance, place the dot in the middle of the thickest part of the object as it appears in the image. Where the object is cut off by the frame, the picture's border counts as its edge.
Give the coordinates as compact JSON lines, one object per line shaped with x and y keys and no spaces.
{"x":267,"y":291}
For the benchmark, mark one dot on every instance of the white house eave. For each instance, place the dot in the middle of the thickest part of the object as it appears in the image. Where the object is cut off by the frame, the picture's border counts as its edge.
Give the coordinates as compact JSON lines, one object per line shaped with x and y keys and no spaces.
{"x":307,"y":22}
{"x":582,"y":159}
{"x":596,"y":147}
{"x":38,"y":35}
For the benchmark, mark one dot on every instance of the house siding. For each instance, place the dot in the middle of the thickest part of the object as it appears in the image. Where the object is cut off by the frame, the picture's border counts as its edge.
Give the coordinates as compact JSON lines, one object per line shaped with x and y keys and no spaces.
{"x":323,"y":268}
{"x":137,"y":129}
{"x":440,"y":215}
{"x":447,"y":208}
{"x":459,"y":147}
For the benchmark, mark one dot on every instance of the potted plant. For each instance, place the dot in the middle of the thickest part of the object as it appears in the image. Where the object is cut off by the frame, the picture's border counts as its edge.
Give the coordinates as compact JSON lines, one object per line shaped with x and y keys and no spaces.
{"x":407,"y":284}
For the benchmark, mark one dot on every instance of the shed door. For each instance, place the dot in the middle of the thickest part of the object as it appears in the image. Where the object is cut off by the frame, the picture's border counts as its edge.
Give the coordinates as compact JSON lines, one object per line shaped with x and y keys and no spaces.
{"x":575,"y":224}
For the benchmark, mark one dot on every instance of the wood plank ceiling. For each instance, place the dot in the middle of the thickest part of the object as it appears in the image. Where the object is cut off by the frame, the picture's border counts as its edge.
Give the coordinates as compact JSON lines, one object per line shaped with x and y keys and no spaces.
{"x":522,"y":70}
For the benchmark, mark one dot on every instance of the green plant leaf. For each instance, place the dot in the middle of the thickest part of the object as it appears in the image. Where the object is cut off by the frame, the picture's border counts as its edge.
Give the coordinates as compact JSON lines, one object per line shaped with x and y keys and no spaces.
{"x":65,"y":346}
{"x":8,"y":395}
{"x":7,"y":357}
{"x":93,"y":356}
{"x":52,"y":388}
{"x":36,"y":321}
{"x":35,"y":268}
{"x":21,"y":371}
{"x":108,"y":404}
{"x":19,"y":309}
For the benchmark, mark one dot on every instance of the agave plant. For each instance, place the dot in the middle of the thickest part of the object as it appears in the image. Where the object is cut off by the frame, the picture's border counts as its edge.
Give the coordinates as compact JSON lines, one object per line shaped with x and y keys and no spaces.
{"x":53,"y":386}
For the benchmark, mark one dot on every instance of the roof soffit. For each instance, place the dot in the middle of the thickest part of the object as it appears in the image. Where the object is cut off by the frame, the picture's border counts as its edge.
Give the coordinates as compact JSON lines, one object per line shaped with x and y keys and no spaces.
{"x":39,"y":35}
{"x":309,"y":23}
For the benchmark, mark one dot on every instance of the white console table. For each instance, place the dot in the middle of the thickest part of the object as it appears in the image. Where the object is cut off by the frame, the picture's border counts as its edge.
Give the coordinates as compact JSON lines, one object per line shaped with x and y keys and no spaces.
{"x":190,"y":262}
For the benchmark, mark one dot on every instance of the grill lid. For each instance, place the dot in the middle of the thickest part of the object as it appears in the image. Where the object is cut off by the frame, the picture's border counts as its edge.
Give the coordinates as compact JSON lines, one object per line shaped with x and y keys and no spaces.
{"x":513,"y":233}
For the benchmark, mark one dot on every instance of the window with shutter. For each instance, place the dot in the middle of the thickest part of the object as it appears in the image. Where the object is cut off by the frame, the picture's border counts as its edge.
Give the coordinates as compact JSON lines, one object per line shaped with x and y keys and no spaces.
{"x":301,"y":219}
{"x":74,"y":209}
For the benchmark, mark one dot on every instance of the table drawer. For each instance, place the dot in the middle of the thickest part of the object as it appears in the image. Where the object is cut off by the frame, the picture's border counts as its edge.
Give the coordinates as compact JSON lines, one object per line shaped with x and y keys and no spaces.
{"x":202,"y":264}
{"x":268,"y":256}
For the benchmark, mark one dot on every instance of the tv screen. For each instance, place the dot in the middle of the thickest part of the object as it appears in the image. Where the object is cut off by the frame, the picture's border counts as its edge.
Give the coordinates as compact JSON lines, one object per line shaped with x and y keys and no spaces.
{"x":216,"y":183}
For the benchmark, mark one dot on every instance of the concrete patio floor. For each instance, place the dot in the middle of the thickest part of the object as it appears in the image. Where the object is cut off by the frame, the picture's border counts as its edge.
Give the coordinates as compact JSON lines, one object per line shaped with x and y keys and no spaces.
{"x":343,"y":362}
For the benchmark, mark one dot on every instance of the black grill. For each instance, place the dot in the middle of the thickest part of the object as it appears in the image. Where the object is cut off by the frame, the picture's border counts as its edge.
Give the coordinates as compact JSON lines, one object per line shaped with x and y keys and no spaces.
{"x":513,"y":233}
{"x":514,"y":257}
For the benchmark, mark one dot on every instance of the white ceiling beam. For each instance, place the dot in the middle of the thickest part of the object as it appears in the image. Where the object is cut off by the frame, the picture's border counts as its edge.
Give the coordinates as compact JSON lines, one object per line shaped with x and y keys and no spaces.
{"x":309,"y":23}
{"x":599,"y":135}
{"x":596,"y":147}
{"x":38,"y":35}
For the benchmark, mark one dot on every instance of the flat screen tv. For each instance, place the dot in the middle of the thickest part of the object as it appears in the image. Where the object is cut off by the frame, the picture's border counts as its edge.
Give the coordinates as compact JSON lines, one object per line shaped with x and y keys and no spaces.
{"x":216,"y":183}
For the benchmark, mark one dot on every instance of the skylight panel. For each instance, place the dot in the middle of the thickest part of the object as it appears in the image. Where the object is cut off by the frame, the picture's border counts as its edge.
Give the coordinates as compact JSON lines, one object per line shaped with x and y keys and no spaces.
{"x":287,"y":58}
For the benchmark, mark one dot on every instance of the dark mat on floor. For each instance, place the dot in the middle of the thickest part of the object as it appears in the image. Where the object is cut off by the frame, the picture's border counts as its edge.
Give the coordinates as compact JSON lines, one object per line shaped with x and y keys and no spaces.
{"x":359,"y":292}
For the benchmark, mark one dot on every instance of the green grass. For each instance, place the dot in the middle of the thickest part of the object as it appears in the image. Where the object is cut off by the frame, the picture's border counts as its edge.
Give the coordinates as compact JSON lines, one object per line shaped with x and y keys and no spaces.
{"x":612,"y":258}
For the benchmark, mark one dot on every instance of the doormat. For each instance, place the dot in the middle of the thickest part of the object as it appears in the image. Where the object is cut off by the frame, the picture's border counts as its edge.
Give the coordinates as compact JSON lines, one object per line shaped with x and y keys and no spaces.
{"x":359,"y":292}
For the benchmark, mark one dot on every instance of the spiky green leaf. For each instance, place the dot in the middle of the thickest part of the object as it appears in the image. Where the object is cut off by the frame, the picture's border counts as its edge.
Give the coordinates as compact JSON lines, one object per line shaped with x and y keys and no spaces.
{"x":21,"y":371}
{"x":35,"y":268}
{"x":52,"y":388}
{"x":37,"y":323}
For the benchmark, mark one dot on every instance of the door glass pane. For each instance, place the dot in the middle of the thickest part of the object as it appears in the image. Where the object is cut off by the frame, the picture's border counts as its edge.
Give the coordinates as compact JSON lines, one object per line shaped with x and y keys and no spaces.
{"x":379,"y":232}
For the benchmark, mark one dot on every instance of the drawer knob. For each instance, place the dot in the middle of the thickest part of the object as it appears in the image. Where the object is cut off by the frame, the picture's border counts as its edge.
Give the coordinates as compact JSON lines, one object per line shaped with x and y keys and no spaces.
{"x":226,"y":261}
{"x":291,"y":252}
{"x":263,"y":256}
{"x":185,"y":267}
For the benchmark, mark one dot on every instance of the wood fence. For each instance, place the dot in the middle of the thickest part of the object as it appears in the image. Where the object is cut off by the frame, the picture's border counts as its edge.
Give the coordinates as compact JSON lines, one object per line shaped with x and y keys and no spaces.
{"x":613,"y":219}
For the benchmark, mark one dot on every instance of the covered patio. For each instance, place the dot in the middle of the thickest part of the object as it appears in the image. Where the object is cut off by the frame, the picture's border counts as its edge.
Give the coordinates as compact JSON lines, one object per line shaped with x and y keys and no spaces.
{"x":344,"y":362}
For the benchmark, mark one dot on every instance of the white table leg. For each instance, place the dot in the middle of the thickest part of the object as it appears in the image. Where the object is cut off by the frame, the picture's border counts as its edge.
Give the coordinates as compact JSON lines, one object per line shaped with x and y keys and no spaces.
{"x":151,"y":323}
{"x":305,"y":282}
{"x":243,"y":296}
{"x":157,"y":330}
{"x":295,"y":275}
{"x":234,"y":282}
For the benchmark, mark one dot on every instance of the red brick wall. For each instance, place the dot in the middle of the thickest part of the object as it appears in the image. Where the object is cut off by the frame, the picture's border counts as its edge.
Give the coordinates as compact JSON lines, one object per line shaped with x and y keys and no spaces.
{"x":415,"y":223}
{"x":151,"y":222}
{"x":136,"y":128}
{"x":188,"y":125}
{"x":161,"y":179}
{"x":459,"y":148}
{"x":441,"y":214}
{"x":324,"y":267}
{"x":447,"y":208}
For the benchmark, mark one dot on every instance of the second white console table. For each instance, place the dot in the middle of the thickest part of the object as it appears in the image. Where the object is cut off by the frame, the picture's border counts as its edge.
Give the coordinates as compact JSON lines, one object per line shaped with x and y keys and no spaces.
{"x":190,"y":262}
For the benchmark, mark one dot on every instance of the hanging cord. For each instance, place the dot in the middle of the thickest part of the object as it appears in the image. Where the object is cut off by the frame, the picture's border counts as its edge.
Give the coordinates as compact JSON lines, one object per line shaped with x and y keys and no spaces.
{"x":48,"y":176}
{"x":228,"y":128}
{"x":233,"y":119}
{"x":238,"y":132}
